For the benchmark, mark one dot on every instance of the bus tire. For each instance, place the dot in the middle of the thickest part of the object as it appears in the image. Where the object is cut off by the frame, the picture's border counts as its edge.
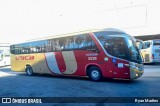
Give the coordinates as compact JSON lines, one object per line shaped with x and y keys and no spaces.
{"x":95,"y":74}
{"x":29,"y":71}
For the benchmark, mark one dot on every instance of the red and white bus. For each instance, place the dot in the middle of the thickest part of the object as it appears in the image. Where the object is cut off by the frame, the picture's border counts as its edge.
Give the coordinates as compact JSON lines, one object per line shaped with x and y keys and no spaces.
{"x":97,"y":54}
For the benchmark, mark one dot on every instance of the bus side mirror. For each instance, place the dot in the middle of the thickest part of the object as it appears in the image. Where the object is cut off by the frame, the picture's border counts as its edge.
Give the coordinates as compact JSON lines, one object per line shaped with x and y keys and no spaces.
{"x":140,"y":44}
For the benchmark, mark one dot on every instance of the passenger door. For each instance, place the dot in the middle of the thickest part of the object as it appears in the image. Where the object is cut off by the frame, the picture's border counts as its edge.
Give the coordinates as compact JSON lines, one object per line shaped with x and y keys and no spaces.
{"x":146,"y":53}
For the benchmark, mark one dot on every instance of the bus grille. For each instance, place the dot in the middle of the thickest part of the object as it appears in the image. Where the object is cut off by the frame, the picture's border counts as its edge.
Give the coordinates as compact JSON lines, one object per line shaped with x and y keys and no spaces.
{"x":147,"y":58}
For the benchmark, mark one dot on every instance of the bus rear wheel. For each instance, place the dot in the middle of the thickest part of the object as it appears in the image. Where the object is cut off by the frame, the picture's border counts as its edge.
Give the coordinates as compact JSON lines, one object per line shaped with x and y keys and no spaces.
{"x":95,"y":74}
{"x":29,"y":71}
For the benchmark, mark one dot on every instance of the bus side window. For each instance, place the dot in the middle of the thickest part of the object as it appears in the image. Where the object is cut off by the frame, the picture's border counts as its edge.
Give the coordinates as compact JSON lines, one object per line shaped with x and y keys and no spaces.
{"x":62,"y":43}
{"x":69,"y":43}
{"x":89,"y":42}
{"x":90,"y":45}
{"x":12,"y":50}
{"x":53,"y":43}
{"x":48,"y":46}
{"x":85,"y":42}
{"x":57,"y":45}
{"x":147,"y":44}
{"x":78,"y":41}
{"x":18,"y":49}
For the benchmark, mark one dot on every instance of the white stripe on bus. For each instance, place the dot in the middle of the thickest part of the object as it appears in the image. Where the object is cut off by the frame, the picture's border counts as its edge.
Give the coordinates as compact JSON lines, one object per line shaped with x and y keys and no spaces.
{"x":52,"y":63}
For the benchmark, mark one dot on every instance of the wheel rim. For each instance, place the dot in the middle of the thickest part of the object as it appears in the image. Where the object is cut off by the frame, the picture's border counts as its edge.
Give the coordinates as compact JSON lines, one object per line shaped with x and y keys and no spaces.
{"x":29,"y":72}
{"x":95,"y":74}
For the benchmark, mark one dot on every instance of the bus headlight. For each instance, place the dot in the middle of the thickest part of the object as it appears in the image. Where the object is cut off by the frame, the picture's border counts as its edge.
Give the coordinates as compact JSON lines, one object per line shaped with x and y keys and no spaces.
{"x":136,"y":70}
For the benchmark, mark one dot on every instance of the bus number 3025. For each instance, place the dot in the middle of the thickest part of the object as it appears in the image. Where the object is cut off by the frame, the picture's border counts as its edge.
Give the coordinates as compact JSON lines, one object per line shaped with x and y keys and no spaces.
{"x":92,"y":58}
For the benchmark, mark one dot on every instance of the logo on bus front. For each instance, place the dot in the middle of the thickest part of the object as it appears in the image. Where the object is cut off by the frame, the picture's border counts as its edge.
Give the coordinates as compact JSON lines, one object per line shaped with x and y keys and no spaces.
{"x":24,"y":57}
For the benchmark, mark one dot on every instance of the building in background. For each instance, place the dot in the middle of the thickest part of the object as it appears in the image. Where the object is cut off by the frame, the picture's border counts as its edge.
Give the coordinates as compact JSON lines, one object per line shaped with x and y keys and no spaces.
{"x":148,"y":37}
{"x":4,"y":54}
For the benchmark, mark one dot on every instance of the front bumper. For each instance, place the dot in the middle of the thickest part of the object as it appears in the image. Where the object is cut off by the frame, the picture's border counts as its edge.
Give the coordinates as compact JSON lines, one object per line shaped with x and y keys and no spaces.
{"x":136,"y":70}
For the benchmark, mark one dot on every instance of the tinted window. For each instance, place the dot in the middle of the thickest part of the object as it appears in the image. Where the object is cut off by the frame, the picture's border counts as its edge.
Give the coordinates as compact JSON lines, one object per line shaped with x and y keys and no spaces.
{"x":38,"y":46}
{"x":69,"y":43}
{"x":84,"y":42}
{"x":119,"y":45}
{"x":18,"y":49}
{"x":12,"y":50}
{"x":134,"y":54}
{"x":116,"y":47}
{"x":156,"y":42}
{"x":147,"y":44}
{"x":24,"y":48}
{"x":77,"y":42}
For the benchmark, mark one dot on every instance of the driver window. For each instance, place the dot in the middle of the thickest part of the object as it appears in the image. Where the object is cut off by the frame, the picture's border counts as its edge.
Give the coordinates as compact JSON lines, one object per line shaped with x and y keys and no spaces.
{"x":116,"y":47}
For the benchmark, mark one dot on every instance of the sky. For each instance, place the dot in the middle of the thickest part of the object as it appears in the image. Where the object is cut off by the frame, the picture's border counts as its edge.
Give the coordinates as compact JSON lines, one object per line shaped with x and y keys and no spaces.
{"x":22,"y":20}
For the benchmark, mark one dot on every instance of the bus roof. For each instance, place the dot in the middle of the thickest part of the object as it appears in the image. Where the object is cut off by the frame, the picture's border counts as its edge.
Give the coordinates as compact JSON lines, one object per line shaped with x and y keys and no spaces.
{"x":70,"y":34}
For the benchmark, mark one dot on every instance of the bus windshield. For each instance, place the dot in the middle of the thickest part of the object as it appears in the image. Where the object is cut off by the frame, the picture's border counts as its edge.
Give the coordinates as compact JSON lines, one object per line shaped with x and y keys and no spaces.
{"x":133,"y":50}
{"x":120,"y":45}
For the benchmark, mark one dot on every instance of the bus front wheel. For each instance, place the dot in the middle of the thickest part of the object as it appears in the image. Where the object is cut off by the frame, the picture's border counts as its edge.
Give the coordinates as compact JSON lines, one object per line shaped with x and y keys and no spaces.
{"x":29,"y":70}
{"x":95,"y":74}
